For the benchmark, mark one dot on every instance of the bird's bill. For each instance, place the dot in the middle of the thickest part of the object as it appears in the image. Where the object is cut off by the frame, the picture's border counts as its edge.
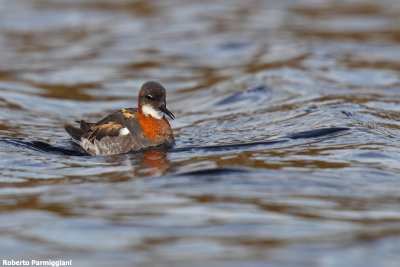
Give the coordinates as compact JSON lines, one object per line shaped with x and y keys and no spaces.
{"x":164,"y":109}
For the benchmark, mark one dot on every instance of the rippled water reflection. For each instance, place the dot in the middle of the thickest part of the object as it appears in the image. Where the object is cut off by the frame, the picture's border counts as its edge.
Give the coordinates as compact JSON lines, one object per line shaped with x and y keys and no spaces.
{"x":252,"y":181}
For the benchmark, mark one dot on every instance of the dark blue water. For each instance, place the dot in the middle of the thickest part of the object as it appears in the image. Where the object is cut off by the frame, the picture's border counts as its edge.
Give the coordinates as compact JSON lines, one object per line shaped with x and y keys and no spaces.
{"x":286,"y":127}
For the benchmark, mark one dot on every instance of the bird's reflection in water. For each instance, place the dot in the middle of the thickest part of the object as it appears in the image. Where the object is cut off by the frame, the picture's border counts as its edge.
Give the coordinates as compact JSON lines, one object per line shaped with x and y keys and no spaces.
{"x":154,"y":163}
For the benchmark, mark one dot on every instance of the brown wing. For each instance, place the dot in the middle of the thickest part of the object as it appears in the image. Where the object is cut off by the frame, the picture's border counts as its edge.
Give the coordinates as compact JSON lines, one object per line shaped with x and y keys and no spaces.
{"x":128,"y":113}
{"x":109,"y":126}
{"x":112,"y":124}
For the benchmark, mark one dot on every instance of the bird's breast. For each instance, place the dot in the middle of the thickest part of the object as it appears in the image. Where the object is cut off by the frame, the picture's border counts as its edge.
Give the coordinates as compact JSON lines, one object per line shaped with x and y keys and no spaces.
{"x":155,"y":130}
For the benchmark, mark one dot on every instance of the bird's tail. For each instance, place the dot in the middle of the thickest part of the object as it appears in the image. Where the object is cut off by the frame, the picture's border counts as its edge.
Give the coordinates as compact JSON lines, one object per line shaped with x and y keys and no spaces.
{"x":78,"y":133}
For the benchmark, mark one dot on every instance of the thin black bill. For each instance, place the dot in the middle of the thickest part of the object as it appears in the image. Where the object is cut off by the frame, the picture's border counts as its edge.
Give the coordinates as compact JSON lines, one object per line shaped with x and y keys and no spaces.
{"x":167,"y":112}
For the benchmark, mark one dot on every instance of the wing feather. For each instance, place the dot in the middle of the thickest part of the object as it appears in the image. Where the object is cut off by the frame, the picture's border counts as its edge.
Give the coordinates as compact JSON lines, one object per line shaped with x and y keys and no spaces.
{"x":111,"y":125}
{"x":108,"y":126}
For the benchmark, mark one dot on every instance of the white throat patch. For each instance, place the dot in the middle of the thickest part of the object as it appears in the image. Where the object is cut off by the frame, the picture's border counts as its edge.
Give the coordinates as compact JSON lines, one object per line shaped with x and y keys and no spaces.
{"x":150,"y":111}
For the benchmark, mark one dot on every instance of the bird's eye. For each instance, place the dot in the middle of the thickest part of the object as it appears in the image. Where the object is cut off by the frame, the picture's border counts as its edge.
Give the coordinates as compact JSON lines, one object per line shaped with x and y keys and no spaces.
{"x":149,"y":97}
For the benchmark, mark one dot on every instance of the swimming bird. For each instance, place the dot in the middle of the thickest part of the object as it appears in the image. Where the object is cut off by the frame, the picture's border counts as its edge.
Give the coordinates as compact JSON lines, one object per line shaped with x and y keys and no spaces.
{"x":128,"y":129}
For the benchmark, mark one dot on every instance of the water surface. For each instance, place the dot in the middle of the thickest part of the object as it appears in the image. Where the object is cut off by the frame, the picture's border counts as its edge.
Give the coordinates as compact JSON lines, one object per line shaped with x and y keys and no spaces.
{"x":286,"y":126}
